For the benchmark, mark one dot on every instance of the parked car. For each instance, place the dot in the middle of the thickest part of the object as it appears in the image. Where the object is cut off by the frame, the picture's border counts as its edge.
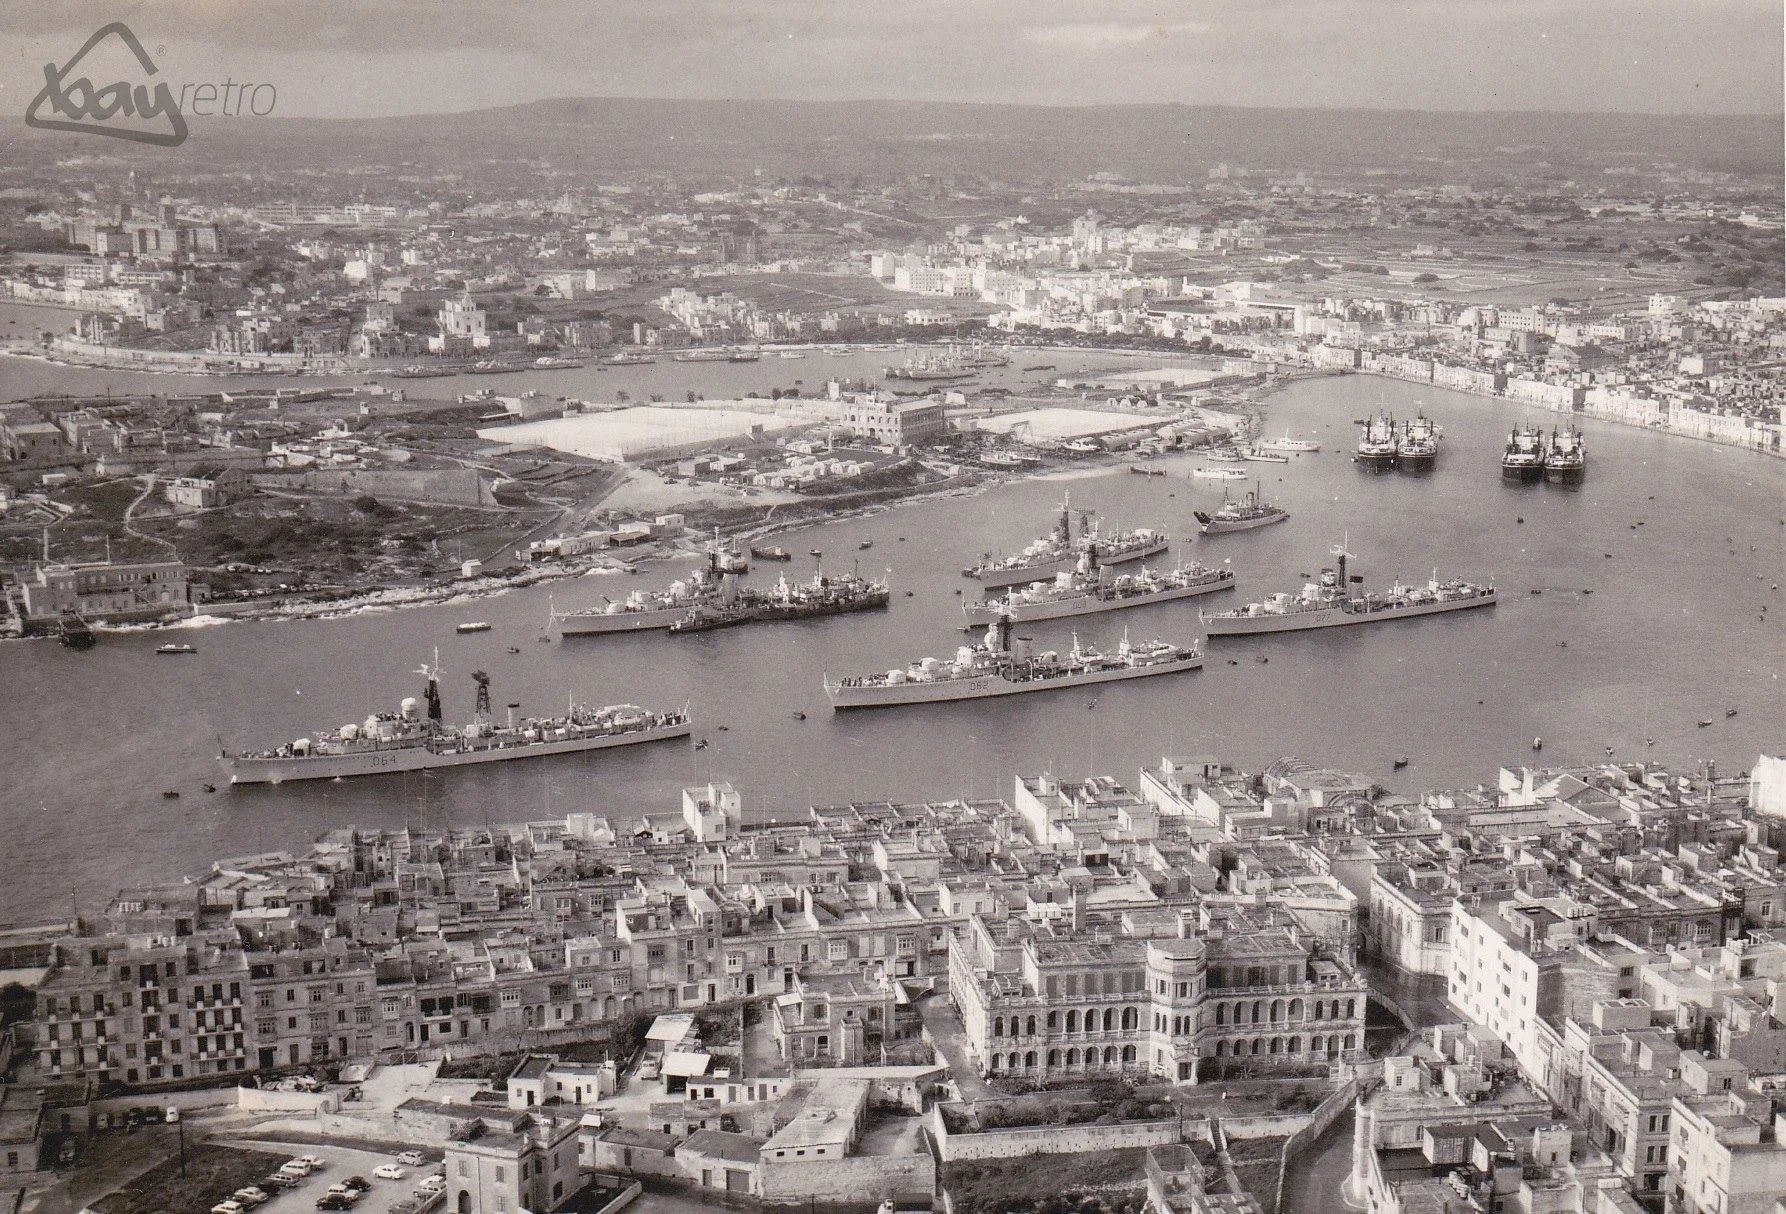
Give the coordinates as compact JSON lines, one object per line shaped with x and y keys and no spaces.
{"x":388,"y":1171}
{"x":252,"y":1196}
{"x":412,"y":1159}
{"x":295,"y":1168}
{"x":316,"y":1162}
{"x":334,"y":1201}
{"x":358,"y":1184}
{"x":229,"y":1207}
{"x":279,"y":1182}
{"x":431,"y":1185}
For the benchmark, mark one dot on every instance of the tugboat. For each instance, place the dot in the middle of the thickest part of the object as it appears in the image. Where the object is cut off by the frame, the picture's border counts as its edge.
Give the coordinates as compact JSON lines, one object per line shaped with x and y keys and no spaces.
{"x":774,"y":552}
{"x":1566,"y":459}
{"x":1523,"y":460}
{"x":1377,"y":444}
{"x":1418,"y":448}
{"x":173,"y":648}
{"x":1244,"y":514}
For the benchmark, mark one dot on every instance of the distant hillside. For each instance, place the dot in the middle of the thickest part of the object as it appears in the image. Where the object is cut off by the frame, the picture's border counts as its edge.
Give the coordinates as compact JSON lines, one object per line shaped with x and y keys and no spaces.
{"x":881,"y":140}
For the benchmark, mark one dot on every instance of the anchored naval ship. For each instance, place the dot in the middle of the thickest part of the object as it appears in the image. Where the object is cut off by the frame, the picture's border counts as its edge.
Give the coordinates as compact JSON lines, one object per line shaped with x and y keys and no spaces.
{"x":416,"y":737}
{"x":1330,"y":602}
{"x":1059,"y":550}
{"x":1087,"y":590}
{"x":997,"y":667}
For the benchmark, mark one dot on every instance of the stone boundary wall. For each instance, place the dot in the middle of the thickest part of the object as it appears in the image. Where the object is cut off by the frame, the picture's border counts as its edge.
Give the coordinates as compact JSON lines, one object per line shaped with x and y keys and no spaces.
{"x":1050,"y":1140}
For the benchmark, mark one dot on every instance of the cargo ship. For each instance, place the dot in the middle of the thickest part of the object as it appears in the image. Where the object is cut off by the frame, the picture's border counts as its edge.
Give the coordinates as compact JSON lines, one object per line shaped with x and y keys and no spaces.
{"x":644,"y":610}
{"x":415,"y":738}
{"x":1330,"y":602}
{"x":1087,"y":590}
{"x":1418,"y":448}
{"x":1239,"y":514}
{"x":1377,"y":444}
{"x":1059,"y":550}
{"x":996,"y":667}
{"x":1523,"y":460}
{"x":789,"y":601}
{"x":551,"y":363}
{"x":1566,"y":459}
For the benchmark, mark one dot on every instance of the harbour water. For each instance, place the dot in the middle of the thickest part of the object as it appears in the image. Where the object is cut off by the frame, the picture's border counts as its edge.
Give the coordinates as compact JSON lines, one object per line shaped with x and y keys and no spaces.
{"x":1681,"y":544}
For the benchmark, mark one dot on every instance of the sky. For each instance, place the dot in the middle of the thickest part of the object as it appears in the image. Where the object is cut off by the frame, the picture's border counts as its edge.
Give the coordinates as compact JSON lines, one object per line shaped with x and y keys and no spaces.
{"x":350,"y":58}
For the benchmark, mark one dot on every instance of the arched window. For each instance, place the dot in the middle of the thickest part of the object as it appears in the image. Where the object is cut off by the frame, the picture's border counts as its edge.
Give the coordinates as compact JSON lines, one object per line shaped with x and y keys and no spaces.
{"x":1012,"y":1061}
{"x":1277,"y":1045}
{"x":998,"y":1026}
{"x":1029,"y":1026}
{"x":1277,"y":1010}
{"x":1296,"y":1045}
{"x":1053,"y":1058}
{"x":1296,"y":1009}
{"x":1073,"y":1021}
{"x":1314,"y":1044}
{"x":1257,"y":1042}
{"x":1053,"y":1021}
{"x":1351,"y":1008}
{"x":1110,"y":1055}
{"x":992,"y":1063}
{"x":1128,"y":1053}
{"x":1073,"y":1056}
{"x":1109,"y":1019}
{"x":1221,"y":1013}
{"x":1130,"y":1018}
{"x":1029,"y":1060}
{"x":1221,"y":1049}
{"x":1350,"y":1037}
{"x":1258,"y":1008}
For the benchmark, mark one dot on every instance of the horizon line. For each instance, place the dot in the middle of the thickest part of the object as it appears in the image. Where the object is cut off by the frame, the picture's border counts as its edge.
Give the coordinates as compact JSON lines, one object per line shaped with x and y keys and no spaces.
{"x":1046,"y":105}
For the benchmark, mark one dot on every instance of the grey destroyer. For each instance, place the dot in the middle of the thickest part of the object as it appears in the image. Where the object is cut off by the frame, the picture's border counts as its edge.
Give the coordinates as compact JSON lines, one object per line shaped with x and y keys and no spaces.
{"x":1089,"y":589}
{"x":1059,"y":550}
{"x":999,"y":667}
{"x":416,"y":737}
{"x":1331,"y":602}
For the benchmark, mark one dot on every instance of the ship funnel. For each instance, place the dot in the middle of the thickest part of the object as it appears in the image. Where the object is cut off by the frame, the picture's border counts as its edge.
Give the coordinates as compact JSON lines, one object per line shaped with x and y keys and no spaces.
{"x":513,"y":708}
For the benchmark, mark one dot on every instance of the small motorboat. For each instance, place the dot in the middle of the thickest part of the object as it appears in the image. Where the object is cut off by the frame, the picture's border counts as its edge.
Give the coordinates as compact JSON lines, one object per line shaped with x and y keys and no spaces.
{"x":701,"y":745}
{"x":799,"y":716}
{"x":175,"y":648}
{"x":209,"y":787}
{"x":474,"y":626}
{"x":514,"y":649}
{"x":814,"y":552}
{"x":1728,"y":713}
{"x":865,"y":545}
{"x":1537,"y":743}
{"x":169,"y":794}
{"x":1705,"y":722}
{"x":1400,"y":762}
